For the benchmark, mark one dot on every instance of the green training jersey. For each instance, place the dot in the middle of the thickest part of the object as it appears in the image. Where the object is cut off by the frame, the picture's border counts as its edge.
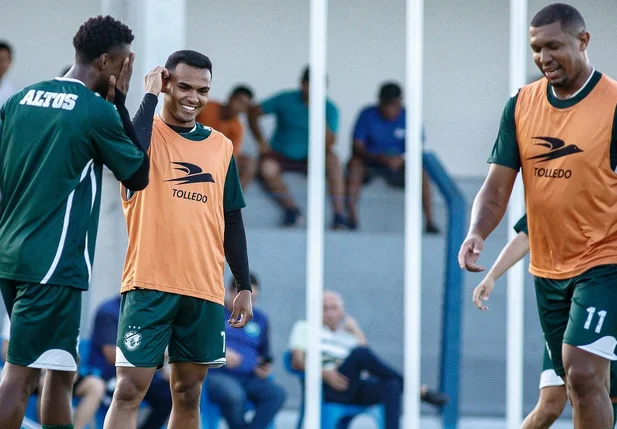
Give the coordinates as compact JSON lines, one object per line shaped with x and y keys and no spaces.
{"x":55,"y":137}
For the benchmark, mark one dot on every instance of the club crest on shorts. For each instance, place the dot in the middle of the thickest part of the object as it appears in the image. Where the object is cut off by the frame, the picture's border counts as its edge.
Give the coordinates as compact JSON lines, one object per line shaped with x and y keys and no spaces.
{"x":132,"y":340}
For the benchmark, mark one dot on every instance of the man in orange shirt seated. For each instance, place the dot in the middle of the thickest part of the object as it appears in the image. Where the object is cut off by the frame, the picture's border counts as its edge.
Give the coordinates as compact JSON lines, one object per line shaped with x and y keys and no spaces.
{"x":225,"y":118}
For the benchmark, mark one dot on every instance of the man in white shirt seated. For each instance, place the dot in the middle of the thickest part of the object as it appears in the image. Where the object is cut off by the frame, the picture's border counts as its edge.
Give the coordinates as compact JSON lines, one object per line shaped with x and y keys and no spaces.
{"x":351,"y":371}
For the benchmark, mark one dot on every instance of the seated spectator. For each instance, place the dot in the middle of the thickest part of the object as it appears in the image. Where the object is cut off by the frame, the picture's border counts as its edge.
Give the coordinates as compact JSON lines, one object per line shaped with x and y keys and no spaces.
{"x":225,"y":118}
{"x":6,"y":57}
{"x":288,"y":149}
{"x":88,"y":387}
{"x":246,"y":377}
{"x":103,"y":358}
{"x":347,"y":358}
{"x":379,"y":149}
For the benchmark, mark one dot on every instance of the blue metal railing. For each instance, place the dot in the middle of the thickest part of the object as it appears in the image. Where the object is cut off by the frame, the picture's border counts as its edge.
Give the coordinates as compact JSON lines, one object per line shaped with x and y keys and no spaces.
{"x":451,"y":342}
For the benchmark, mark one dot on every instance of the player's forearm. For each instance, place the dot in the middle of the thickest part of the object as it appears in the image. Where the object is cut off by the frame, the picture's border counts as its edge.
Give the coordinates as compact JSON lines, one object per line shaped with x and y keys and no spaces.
{"x":236,"y":252}
{"x":139,"y":179}
{"x":488,"y":209}
{"x":513,"y":252}
{"x":144,"y":119}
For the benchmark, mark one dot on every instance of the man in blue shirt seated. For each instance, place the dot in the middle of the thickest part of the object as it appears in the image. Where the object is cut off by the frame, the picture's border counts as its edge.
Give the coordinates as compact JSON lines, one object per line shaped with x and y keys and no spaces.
{"x":288,"y":149}
{"x":379,"y":149}
{"x":103,"y":357}
{"x":246,"y":376}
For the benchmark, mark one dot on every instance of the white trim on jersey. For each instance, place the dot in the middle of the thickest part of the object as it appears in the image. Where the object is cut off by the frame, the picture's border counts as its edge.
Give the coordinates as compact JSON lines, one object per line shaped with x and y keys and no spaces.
{"x":70,"y":79}
{"x":65,"y":227}
{"x":86,"y":253}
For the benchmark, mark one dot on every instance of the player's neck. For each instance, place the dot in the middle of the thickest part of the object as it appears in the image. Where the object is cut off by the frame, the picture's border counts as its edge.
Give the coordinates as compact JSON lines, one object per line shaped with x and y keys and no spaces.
{"x":169,"y":119}
{"x":84,"y":74}
{"x":570,"y":91}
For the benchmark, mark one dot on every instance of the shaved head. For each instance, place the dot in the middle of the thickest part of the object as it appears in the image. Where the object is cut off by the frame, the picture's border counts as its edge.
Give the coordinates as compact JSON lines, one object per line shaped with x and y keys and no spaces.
{"x":568,"y":16}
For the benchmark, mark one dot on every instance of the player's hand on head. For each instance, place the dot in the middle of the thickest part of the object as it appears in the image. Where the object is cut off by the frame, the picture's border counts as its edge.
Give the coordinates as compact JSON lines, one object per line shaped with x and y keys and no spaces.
{"x":124,"y":78}
{"x":242,"y":311}
{"x":153,"y":82}
{"x":470,"y":252}
{"x":482,"y":292}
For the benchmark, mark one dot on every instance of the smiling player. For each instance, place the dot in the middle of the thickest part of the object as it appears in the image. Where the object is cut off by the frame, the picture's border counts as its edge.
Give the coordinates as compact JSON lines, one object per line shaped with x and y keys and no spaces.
{"x":181,"y":229}
{"x":565,"y":123}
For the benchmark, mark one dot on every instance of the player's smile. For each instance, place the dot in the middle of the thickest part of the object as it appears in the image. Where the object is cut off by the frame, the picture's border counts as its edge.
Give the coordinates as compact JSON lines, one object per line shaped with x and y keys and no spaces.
{"x":189,"y":108}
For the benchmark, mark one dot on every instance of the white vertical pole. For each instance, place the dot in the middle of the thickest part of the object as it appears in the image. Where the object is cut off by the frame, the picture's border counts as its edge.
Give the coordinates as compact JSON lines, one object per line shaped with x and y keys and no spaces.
{"x":315,"y":218}
{"x":516,"y":275}
{"x":413,"y":216}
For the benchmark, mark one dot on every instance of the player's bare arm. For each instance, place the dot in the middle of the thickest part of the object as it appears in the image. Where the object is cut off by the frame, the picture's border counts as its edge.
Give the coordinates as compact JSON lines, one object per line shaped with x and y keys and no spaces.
{"x":513,"y":252}
{"x":488,"y":209}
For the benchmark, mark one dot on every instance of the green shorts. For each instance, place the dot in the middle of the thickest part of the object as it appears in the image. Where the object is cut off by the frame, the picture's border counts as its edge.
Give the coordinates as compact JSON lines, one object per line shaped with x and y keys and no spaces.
{"x":580,"y":312}
{"x":150,"y":321}
{"x":44,"y":324}
{"x":549,"y":377}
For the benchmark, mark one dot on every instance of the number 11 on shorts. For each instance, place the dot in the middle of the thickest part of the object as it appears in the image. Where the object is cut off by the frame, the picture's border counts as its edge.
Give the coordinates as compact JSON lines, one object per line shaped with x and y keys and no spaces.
{"x":601,"y":314}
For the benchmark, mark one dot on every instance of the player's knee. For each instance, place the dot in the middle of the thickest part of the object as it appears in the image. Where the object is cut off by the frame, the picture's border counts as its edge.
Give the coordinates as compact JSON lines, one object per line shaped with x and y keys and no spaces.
{"x":187,"y":393}
{"x":269,"y":169}
{"x":129,"y":391}
{"x":583,"y":380}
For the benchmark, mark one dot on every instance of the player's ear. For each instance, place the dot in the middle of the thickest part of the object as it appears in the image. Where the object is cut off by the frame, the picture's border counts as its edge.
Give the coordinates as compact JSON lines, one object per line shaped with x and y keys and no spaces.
{"x":583,"y":39}
{"x":104,"y":61}
{"x":166,"y":85}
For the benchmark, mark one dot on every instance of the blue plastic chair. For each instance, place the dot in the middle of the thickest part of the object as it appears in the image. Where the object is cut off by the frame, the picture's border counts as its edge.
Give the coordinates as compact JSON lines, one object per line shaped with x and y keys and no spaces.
{"x":334,"y":415}
{"x":211,"y":412}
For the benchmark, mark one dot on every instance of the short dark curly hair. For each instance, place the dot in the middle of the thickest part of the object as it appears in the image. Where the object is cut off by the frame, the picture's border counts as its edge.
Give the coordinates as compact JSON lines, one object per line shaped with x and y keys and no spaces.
{"x":98,"y":35}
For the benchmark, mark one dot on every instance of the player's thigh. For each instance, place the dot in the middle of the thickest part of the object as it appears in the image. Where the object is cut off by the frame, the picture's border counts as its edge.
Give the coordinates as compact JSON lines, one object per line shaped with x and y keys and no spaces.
{"x":613,"y":382}
{"x":198,"y":334}
{"x":45,"y":327}
{"x":548,"y":377}
{"x":553,"y":299}
{"x":593,"y":316}
{"x":144,"y":328}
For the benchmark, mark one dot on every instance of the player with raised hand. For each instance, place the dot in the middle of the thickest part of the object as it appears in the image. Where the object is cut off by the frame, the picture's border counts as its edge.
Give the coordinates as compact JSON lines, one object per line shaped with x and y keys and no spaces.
{"x":55,"y":137}
{"x":181,"y":230}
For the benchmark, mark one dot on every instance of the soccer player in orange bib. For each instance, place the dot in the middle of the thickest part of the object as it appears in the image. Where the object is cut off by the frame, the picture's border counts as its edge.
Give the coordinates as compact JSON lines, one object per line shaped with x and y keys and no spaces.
{"x":561,"y":131}
{"x":180,"y":233}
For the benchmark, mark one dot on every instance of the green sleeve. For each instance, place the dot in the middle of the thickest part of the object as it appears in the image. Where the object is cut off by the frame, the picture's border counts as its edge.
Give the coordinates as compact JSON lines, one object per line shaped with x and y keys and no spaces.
{"x":112,"y":146}
{"x":332,"y":116}
{"x":521,"y":225}
{"x":505,"y":151}
{"x":613,"y":151}
{"x":233,"y":198}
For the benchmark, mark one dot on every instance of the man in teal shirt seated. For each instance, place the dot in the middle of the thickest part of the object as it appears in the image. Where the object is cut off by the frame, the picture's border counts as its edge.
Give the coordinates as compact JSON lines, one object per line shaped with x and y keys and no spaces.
{"x":288,"y":149}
